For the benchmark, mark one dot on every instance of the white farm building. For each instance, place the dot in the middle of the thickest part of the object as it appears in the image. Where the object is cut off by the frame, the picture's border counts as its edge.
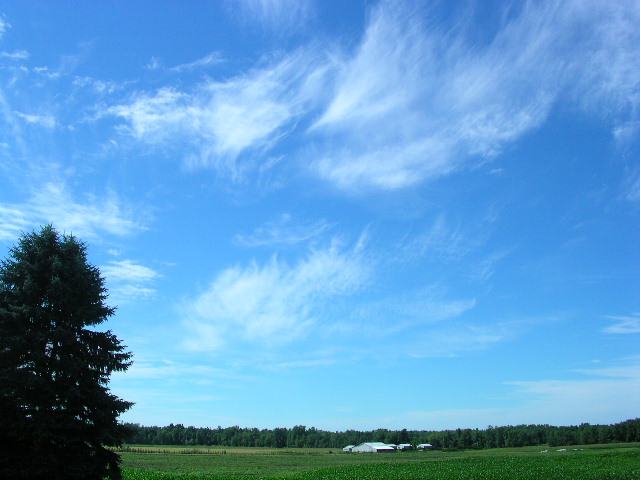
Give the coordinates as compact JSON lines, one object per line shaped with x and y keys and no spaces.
{"x":374,"y":447}
{"x":348,"y":448}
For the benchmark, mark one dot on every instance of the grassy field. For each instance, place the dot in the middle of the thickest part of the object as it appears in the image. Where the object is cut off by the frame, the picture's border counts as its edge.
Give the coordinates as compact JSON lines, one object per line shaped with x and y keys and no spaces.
{"x":594,"y":462}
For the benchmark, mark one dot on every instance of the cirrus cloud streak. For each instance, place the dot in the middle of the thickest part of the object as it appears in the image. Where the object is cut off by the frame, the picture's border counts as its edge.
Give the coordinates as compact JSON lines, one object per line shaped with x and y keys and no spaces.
{"x":274,"y":303}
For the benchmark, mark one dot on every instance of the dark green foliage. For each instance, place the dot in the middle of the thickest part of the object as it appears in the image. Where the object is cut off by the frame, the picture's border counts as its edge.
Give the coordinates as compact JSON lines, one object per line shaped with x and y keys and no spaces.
{"x":57,"y":413}
{"x":460,"y":439}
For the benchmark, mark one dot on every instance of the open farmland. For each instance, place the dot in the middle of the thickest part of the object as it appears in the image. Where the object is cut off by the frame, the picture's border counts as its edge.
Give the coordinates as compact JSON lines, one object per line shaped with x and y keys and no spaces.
{"x":619,"y":462}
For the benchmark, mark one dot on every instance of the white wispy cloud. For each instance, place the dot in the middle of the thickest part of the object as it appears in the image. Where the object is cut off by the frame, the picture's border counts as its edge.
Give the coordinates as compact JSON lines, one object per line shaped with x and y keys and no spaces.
{"x":612,"y":397}
{"x":146,"y":369}
{"x":274,"y":303}
{"x":441,"y":239}
{"x":459,"y":339}
{"x":409,"y":313}
{"x":4,"y":26}
{"x":86,"y":217}
{"x":53,"y":203}
{"x":627,"y":133}
{"x":624,"y":324}
{"x":633,"y":190}
{"x":46,"y":120}
{"x":461,"y":246}
{"x":216,"y":122}
{"x":431,"y":101}
{"x":628,"y":367}
{"x":608,"y":74}
{"x":213,"y":58}
{"x":380,"y":90}
{"x":47,"y":73}
{"x":465,"y":335}
{"x":101,"y":87}
{"x":129,"y":271}
{"x":128,"y":280}
{"x":276,"y":14}
{"x":283,"y":231}
{"x":13,"y":222}
{"x":412,"y":102}
{"x":15,"y":55}
{"x":435,"y":100}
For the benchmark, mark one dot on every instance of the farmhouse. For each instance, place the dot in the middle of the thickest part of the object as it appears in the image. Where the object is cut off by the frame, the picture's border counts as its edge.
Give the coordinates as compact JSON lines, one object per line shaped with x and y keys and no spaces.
{"x":374,"y":447}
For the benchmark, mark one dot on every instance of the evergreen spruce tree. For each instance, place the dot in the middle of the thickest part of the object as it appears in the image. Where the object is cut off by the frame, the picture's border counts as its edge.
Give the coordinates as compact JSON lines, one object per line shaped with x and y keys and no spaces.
{"x":57,"y":415}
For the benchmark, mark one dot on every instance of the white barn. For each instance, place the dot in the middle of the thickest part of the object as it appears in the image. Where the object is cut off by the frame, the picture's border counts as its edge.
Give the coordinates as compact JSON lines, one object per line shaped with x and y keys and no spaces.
{"x":348,"y":448}
{"x":424,"y":446}
{"x":374,"y":447}
{"x":405,"y":446}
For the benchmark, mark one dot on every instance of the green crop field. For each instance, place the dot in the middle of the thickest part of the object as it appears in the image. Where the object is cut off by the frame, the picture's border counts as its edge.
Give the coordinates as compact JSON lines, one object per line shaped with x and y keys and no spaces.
{"x":610,"y":462}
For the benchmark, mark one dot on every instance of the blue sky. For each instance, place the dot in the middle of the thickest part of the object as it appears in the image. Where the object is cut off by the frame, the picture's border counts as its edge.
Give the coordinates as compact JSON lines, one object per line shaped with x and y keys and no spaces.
{"x":342,"y":214}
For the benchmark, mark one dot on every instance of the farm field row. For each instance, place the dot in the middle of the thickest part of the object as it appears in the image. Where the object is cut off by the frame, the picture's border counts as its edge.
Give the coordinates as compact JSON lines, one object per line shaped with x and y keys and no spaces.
{"x":610,"y":462}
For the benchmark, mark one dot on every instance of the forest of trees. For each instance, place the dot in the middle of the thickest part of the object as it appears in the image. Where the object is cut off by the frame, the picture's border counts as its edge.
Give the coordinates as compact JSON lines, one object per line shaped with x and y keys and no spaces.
{"x":303,"y":437}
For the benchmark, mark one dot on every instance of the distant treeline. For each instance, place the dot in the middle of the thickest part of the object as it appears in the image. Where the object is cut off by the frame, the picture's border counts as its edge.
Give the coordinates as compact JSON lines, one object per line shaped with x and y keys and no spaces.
{"x":303,"y":437}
